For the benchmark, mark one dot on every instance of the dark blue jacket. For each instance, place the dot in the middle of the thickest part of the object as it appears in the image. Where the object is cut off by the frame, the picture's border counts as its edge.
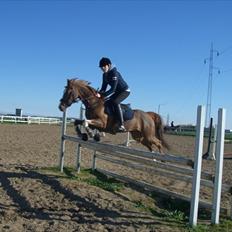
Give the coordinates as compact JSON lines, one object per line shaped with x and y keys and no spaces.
{"x":115,"y":80}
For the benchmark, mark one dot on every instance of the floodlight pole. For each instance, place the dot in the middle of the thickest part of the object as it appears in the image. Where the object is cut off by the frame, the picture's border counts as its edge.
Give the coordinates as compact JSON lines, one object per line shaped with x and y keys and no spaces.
{"x":209,"y":92}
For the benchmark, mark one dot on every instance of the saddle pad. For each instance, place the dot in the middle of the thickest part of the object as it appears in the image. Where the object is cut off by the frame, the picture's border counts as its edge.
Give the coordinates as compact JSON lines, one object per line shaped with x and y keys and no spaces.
{"x":127,"y":112}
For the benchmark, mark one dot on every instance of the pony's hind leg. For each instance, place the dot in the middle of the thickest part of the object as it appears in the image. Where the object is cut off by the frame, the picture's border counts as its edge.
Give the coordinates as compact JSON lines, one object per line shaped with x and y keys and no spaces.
{"x":150,"y":141}
{"x":137,"y":136}
{"x":146,"y":143}
{"x":152,"y":144}
{"x":158,"y":144}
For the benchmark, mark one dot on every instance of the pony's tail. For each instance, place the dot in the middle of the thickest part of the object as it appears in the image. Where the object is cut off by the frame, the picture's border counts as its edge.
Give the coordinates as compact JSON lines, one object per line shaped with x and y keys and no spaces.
{"x":159,"y":128}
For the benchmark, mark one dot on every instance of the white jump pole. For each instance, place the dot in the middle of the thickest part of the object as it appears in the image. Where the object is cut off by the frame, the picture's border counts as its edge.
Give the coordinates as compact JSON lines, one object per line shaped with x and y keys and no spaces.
{"x":197,"y":165}
{"x":62,"y":149}
{"x":128,"y":139}
{"x":82,"y":109}
{"x":219,"y":166}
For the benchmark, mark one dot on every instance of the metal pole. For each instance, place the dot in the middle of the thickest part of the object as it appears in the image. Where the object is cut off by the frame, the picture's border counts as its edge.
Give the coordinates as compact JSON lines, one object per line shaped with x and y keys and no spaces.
{"x":62,"y":149}
{"x":197,"y":165}
{"x":212,"y":156}
{"x":209,"y":92}
{"x":128,"y":139}
{"x":81,"y":117}
{"x":78,"y":167}
{"x":207,"y":154}
{"x":94,"y":160}
{"x":219,"y":166}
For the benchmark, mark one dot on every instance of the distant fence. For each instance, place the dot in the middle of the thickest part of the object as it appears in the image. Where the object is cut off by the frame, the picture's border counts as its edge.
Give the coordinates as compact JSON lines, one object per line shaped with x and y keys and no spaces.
{"x":30,"y":119}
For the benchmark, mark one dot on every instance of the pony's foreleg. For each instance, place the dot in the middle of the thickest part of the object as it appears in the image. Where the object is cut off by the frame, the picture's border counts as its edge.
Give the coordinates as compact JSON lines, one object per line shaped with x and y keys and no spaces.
{"x":78,"y":130}
{"x":98,"y":123}
{"x":89,"y":132}
{"x":78,"y":122}
{"x":90,"y":122}
{"x":84,"y":136}
{"x":81,"y":123}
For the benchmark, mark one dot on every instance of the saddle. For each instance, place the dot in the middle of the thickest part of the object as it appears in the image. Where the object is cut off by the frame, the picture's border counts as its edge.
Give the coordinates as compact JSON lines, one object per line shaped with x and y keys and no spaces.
{"x":127,"y":111}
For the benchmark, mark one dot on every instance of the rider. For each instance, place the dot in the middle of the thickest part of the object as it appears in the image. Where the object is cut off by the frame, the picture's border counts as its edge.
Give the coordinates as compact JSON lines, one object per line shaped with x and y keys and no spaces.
{"x":119,"y":89}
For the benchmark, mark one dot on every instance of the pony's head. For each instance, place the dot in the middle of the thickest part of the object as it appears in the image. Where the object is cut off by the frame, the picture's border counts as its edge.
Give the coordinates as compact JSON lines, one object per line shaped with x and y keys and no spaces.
{"x":74,"y":91}
{"x":70,"y":95}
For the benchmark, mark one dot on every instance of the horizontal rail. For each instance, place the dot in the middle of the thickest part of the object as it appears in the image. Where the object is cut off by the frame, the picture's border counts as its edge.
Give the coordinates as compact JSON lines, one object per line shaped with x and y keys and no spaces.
{"x":165,"y":172}
{"x":117,"y":151}
{"x":160,"y":172}
{"x":111,"y":148}
{"x":158,"y":164}
{"x":149,"y":187}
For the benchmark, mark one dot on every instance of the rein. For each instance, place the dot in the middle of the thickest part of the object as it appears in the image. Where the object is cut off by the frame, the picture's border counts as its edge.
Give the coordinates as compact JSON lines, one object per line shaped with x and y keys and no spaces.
{"x":87,"y":101}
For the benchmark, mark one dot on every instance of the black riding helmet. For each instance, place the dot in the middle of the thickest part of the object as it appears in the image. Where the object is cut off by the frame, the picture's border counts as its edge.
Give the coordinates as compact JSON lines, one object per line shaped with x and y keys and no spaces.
{"x":104,"y":61}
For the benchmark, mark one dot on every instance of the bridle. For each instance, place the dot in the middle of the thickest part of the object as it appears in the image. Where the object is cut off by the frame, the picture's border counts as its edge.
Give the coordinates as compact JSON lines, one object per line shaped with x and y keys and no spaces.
{"x":87,"y":102}
{"x":90,"y":102}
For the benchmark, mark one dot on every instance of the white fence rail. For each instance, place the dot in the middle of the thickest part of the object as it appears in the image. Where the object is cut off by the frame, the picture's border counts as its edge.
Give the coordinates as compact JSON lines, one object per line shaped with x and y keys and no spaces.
{"x":29,"y":119}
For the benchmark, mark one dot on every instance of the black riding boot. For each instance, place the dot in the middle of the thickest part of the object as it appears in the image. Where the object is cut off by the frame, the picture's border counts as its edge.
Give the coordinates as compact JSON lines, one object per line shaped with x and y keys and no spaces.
{"x":120,"y":118}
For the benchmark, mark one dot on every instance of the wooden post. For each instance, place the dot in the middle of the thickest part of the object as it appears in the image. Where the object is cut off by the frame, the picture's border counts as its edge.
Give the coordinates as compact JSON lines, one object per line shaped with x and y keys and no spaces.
{"x":219,"y":166}
{"x":197,"y":165}
{"x":62,"y":149}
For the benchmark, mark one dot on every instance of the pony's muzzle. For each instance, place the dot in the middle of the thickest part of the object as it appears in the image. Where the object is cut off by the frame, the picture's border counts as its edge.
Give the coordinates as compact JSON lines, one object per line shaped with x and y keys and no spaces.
{"x":62,"y":107}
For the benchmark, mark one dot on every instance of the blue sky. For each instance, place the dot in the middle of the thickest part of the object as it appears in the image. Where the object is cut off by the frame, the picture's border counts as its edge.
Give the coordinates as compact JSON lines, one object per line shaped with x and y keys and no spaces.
{"x":158,"y":46}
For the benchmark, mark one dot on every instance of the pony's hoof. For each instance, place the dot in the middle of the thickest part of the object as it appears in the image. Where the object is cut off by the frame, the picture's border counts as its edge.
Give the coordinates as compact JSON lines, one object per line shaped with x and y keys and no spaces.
{"x":97,"y":137}
{"x":84,"y":137}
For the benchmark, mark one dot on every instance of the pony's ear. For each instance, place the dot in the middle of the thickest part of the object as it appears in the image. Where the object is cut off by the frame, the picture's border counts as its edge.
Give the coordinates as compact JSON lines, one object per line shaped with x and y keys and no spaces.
{"x":68,"y":82}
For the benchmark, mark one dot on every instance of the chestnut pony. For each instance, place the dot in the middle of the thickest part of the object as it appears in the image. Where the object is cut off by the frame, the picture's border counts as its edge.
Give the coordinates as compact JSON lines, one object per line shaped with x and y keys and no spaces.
{"x":145,"y":128}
